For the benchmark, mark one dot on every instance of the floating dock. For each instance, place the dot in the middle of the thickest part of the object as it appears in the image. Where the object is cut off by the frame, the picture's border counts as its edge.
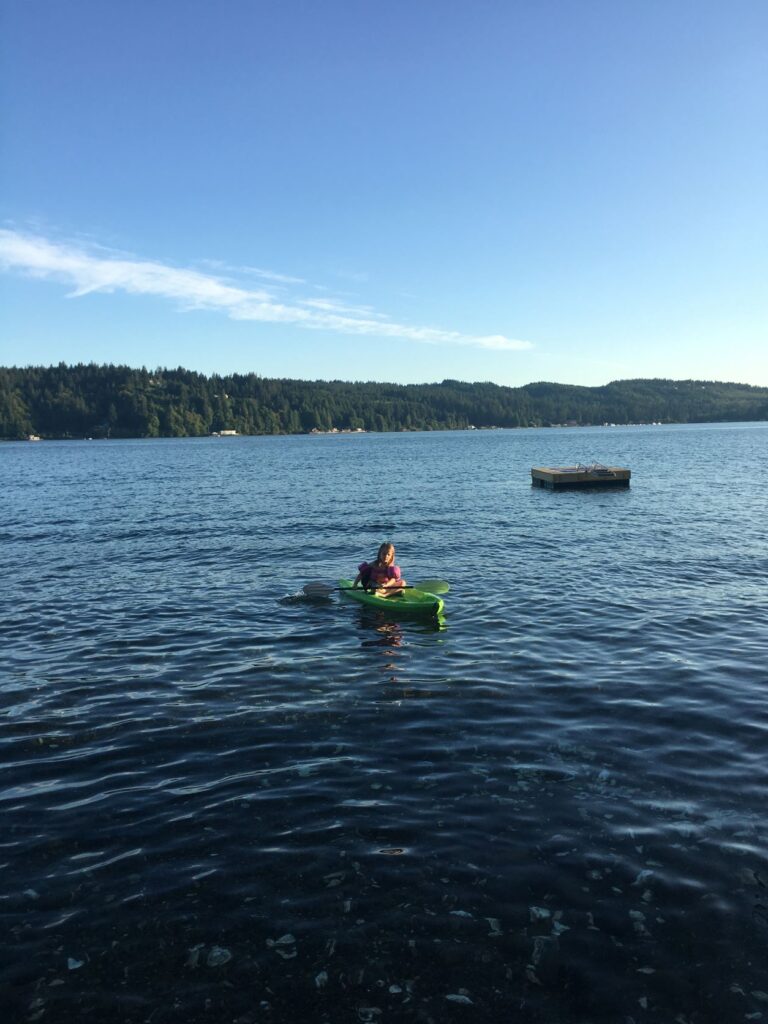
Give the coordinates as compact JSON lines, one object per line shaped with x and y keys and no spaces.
{"x":557,"y":478}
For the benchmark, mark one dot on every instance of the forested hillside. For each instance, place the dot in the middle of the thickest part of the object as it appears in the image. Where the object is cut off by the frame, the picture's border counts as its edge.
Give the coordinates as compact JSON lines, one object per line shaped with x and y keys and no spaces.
{"x":118,"y":401}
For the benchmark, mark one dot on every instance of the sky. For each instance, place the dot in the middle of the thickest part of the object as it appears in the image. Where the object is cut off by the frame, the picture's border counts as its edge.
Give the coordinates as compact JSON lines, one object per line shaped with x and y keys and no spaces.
{"x":502,"y":190}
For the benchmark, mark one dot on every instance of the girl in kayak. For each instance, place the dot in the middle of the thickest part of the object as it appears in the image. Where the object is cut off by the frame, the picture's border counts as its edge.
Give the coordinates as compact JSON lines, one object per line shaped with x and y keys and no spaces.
{"x":381,"y":575}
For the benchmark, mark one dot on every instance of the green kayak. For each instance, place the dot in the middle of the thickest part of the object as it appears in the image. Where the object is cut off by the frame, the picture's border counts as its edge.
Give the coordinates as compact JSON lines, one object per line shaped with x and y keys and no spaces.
{"x":402,"y":602}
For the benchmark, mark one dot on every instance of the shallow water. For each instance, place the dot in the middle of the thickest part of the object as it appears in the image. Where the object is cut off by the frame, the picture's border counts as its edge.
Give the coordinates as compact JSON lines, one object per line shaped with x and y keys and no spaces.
{"x":222,"y":801}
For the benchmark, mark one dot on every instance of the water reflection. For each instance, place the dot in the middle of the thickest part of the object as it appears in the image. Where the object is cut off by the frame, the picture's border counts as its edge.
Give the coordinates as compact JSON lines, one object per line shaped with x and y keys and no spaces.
{"x":389,"y":634}
{"x":383,"y":637}
{"x":392,"y":644}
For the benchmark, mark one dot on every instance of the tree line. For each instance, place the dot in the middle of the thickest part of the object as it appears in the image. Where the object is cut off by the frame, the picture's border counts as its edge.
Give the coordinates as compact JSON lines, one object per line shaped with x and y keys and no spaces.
{"x":89,"y":400}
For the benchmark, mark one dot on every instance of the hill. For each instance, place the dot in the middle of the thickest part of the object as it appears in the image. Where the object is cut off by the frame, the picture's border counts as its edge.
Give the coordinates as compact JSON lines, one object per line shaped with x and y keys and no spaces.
{"x":119,"y":401}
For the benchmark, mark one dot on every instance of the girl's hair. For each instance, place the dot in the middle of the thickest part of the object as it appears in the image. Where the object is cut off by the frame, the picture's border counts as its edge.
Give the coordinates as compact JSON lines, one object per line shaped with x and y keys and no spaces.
{"x":383,"y":548}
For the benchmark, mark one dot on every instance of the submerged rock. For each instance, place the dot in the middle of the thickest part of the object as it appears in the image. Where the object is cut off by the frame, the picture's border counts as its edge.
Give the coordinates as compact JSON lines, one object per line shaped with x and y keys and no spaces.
{"x":193,"y":957}
{"x":539,"y":913}
{"x":218,"y":956}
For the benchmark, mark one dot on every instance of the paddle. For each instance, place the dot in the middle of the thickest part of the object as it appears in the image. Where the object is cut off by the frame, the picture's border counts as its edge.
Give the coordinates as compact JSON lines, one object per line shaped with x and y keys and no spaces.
{"x":319,"y":589}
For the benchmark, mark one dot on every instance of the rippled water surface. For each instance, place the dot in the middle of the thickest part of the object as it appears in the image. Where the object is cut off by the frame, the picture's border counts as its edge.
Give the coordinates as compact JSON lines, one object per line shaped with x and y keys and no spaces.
{"x":222,"y":801}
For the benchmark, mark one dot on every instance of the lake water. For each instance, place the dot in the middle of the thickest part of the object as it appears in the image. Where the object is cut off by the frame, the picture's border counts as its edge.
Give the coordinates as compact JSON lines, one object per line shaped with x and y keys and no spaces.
{"x":221,"y":801}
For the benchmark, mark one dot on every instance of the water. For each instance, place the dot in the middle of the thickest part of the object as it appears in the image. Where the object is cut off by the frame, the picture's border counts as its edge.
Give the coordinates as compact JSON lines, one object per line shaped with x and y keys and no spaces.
{"x":224,"y":802}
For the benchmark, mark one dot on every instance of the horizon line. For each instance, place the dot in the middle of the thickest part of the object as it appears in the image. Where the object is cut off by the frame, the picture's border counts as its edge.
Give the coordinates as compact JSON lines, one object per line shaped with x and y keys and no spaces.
{"x":701,"y":381}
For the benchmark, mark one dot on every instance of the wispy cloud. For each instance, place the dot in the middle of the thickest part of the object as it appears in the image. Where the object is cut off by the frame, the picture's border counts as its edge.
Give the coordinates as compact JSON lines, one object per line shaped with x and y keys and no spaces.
{"x":266,"y":275}
{"x":270,"y":275}
{"x":91,"y":269}
{"x":334,"y":306}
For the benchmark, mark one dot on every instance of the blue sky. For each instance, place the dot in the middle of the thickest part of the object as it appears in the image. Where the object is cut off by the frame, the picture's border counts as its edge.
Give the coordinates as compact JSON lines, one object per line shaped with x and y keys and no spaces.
{"x":570,"y":191}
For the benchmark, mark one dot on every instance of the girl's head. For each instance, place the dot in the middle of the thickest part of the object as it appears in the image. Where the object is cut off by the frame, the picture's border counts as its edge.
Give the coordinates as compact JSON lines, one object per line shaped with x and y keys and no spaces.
{"x":386,"y":555}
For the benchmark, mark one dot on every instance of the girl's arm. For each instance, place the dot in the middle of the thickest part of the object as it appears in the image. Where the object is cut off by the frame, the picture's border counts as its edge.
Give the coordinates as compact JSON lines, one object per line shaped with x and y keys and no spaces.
{"x":395,"y":580}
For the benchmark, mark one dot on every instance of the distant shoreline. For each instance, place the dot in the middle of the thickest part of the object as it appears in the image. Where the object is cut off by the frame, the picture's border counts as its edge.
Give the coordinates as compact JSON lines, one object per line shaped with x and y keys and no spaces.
{"x":363,"y":433}
{"x":97,"y":402}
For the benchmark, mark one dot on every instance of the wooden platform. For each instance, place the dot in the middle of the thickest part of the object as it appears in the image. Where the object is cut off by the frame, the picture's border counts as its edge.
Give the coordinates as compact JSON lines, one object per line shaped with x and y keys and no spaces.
{"x":559,"y":477}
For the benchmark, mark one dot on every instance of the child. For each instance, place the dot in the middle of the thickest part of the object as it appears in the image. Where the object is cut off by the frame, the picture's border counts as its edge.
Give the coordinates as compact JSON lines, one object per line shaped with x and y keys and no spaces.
{"x":381,"y":575}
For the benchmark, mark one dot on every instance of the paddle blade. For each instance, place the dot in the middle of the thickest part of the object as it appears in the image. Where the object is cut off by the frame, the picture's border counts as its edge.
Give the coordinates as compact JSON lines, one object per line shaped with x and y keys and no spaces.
{"x":318,"y":589}
{"x":432,"y":586}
